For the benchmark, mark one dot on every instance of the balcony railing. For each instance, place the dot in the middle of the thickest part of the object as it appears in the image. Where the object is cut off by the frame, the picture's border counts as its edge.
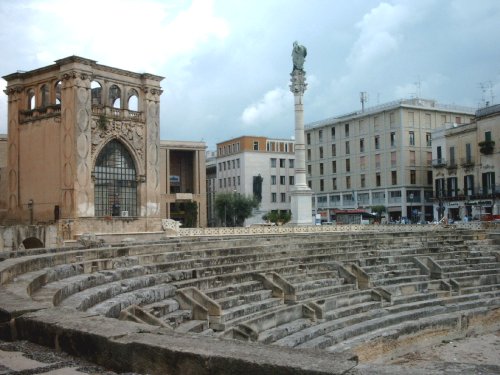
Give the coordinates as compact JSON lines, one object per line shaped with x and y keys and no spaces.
{"x":39,"y":113}
{"x":467,"y":162}
{"x":117,"y":113}
{"x":476,"y":192}
{"x":439,"y":163}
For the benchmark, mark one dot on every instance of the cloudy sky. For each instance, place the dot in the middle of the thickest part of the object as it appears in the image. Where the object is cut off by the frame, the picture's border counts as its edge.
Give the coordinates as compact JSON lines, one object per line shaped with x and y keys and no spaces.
{"x":226,"y":63}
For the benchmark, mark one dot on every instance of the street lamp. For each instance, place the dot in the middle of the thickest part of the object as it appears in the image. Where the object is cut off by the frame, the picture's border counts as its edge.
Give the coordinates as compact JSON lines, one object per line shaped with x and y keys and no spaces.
{"x":411,"y":208}
{"x":30,"y":208}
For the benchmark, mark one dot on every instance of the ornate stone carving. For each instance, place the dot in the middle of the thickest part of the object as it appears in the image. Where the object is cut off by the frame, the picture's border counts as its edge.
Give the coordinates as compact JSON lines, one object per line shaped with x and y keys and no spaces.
{"x":133,"y":132}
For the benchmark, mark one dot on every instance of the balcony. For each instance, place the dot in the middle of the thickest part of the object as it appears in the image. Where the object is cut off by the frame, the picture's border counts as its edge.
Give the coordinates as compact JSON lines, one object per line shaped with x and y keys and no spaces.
{"x":486,"y":147}
{"x":438,"y":163}
{"x":39,"y":113}
{"x":117,"y":113}
{"x":452,"y":164}
{"x":476,"y":192}
{"x":467,"y":162}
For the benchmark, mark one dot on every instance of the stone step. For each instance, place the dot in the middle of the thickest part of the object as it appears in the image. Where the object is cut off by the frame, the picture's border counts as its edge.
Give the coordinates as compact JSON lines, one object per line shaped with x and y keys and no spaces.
{"x":322,"y":292}
{"x":233,"y":289}
{"x":348,"y":298}
{"x":246,"y":309}
{"x":162,"y":308}
{"x":352,"y":310}
{"x":400,"y":280}
{"x":471,"y":273}
{"x":396,"y":273}
{"x":177,"y":317}
{"x":195,"y":326}
{"x":311,"y":276}
{"x":317,"y":284}
{"x":271,"y":335}
{"x":388,"y":267}
{"x":240,"y":299}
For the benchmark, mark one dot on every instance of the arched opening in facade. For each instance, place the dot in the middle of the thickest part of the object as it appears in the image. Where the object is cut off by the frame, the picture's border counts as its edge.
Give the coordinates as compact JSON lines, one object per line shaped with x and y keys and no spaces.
{"x":133,"y":101}
{"x":58,"y":87}
{"x":31,"y":99}
{"x":96,"y":92}
{"x":32,"y":243}
{"x":44,"y":91}
{"x":115,"y":185}
{"x":115,"y":96}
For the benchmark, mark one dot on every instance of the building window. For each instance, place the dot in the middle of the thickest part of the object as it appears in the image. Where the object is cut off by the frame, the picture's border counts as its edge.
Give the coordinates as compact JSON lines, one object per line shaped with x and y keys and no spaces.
{"x":452,"y":156}
{"x":321,"y":171}
{"x":239,"y":181}
{"x":428,"y":139}
{"x":348,"y":182}
{"x":255,"y":145}
{"x":393,"y":139}
{"x":334,"y":150}
{"x":440,"y":191}
{"x":220,"y":183}
{"x":487,"y":136}
{"x":333,"y":133}
{"x":334,"y":183}
{"x":458,"y":120}
{"x":347,"y":148}
{"x":321,"y":152}
{"x":488,"y":183}
{"x":394,"y":177}
{"x":115,"y":187}
{"x":321,"y":185}
{"x":237,"y":162}
{"x":283,"y":197}
{"x":334,"y":166}
{"x":282,"y":163}
{"x":291,"y":180}
{"x":308,"y":154}
{"x":273,"y":197}
{"x":429,"y":177}
{"x":346,"y":128}
{"x":308,"y":137}
{"x":469,"y":185}
{"x":363,"y":180}
{"x":394,"y":159}
{"x":362,"y":163}
{"x":291,"y":163}
{"x":377,"y":179}
{"x":412,"y":139}
{"x":273,"y":180}
{"x":282,"y":180}
{"x":309,"y":169}
{"x":273,"y":162}
{"x":229,"y":164}
{"x":377,"y":142}
{"x":320,"y":136}
{"x":362,"y":145}
{"x":348,"y":165}
{"x":412,"y":158}
{"x":309,"y":184}
{"x":468,"y":153}
{"x":413,"y":176}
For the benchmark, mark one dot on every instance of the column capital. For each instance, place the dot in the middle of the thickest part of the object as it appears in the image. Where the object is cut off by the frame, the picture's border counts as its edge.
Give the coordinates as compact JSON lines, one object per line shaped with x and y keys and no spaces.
{"x":298,"y":82}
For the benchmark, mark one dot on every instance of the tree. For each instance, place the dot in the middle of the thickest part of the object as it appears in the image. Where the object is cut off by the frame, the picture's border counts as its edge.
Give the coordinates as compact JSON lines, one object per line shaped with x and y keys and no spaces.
{"x":378,"y":210}
{"x":190,"y":214}
{"x":278,"y":216}
{"x":233,"y":209}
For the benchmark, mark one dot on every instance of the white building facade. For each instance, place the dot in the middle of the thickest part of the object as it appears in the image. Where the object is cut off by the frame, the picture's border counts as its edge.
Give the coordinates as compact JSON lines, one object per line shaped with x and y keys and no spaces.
{"x":257,"y":166}
{"x":381,"y":156}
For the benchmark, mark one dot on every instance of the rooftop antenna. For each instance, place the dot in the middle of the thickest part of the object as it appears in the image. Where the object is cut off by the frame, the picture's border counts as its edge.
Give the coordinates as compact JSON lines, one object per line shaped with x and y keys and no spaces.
{"x":486,"y":86}
{"x":418,"y":84}
{"x":363,"y":97}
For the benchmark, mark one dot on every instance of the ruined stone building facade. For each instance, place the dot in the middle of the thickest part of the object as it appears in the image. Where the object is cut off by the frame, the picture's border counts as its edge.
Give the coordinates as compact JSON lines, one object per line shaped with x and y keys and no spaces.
{"x":84,"y":142}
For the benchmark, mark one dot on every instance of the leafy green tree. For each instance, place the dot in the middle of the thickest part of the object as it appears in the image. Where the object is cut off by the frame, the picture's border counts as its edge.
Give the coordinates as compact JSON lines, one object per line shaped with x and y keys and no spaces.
{"x":276,"y":216}
{"x":378,"y":210}
{"x":233,"y":209}
{"x":191,"y":214}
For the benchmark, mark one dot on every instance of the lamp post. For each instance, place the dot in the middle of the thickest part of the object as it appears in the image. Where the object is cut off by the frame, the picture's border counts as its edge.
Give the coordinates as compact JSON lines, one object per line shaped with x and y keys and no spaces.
{"x":30,"y":208}
{"x":411,"y":208}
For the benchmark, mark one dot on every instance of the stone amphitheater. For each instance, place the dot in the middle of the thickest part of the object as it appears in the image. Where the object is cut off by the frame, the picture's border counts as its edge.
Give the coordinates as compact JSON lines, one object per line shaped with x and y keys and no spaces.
{"x":327,"y":302}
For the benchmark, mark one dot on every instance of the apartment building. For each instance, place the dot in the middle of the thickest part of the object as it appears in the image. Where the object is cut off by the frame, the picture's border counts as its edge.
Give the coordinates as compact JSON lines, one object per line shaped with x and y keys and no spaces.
{"x":466,"y":164}
{"x":258,"y":166}
{"x":378,"y":156}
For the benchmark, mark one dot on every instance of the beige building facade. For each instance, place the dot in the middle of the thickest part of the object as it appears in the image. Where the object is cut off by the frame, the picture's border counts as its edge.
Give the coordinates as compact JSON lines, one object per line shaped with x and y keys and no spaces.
{"x":466,"y":164}
{"x":84,"y":142}
{"x":381,"y":156}
{"x":258,"y":166}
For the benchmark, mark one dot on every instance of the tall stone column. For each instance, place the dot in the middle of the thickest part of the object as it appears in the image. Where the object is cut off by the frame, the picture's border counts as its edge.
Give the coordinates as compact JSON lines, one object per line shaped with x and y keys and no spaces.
{"x":301,"y":195}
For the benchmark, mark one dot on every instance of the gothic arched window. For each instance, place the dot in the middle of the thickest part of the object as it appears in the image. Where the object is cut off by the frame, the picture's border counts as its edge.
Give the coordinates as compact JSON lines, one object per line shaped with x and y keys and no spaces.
{"x":115,"y":184}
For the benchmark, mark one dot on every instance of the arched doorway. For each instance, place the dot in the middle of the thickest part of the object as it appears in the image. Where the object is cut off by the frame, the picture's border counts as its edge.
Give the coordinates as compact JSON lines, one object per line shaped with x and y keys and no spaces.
{"x":32,"y":243}
{"x":115,"y":186}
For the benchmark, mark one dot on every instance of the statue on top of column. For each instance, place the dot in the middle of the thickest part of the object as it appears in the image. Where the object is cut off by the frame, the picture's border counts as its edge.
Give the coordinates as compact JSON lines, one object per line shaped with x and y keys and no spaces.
{"x":299,"y":54}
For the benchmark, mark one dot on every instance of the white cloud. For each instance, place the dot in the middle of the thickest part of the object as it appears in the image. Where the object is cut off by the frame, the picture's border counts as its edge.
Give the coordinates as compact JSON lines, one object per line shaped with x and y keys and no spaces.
{"x":272,"y":104}
{"x":380,"y":34}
